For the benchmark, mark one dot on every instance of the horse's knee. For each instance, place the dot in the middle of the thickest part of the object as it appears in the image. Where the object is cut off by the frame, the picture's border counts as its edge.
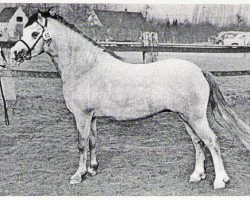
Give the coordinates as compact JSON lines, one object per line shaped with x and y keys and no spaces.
{"x":82,"y":143}
{"x":201,"y":143}
{"x":197,"y":141}
{"x":211,"y":140}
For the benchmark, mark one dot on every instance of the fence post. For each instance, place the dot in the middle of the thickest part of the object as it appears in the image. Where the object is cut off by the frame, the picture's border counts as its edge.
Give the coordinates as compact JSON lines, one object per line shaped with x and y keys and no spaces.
{"x":8,"y":82}
{"x":144,"y":56}
{"x":150,"y":39}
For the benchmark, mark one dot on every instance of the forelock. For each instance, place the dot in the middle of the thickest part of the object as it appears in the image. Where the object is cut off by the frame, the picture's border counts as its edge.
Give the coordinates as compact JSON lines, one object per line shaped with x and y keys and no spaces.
{"x":34,"y":18}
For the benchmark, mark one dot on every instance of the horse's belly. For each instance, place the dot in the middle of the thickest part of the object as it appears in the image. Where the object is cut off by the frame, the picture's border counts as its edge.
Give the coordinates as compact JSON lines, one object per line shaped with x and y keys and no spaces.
{"x":128,"y":104}
{"x":124,"y":114}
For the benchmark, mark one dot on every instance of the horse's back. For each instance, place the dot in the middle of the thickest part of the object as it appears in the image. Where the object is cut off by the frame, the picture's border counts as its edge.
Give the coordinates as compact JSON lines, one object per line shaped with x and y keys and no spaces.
{"x":168,"y":72}
{"x":173,"y":67}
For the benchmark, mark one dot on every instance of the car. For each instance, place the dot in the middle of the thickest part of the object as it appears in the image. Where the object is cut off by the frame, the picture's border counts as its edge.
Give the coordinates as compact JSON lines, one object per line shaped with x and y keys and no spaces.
{"x":239,"y":39}
{"x":219,"y":39}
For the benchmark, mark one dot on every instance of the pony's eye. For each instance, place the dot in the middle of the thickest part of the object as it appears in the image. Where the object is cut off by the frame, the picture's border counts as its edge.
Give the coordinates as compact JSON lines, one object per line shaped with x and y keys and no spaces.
{"x":35,"y":34}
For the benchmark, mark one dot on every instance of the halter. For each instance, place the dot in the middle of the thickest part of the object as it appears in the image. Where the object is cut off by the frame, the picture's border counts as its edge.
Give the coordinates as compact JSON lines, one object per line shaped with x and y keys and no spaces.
{"x":45,"y":35}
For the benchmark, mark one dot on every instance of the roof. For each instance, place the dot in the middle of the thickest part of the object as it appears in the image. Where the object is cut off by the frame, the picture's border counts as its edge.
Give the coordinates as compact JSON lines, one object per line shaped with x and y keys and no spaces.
{"x":119,"y":25}
{"x":109,"y":18}
{"x":111,"y":12}
{"x":7,"y":13}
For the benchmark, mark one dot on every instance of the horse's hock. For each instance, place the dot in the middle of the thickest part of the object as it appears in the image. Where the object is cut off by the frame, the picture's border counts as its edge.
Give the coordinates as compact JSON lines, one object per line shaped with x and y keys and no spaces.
{"x":150,"y":39}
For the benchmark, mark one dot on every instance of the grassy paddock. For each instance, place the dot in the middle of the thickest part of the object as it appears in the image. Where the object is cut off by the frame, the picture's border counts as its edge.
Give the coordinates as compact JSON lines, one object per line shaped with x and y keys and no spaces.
{"x":155,"y":156}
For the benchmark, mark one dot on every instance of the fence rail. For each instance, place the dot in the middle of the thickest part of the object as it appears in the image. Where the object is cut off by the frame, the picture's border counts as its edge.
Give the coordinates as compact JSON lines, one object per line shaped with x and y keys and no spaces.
{"x":138,"y":47}
{"x":164,"y":47}
{"x":40,"y":74}
{"x":6,"y":44}
{"x":170,"y":47}
{"x":28,"y":74}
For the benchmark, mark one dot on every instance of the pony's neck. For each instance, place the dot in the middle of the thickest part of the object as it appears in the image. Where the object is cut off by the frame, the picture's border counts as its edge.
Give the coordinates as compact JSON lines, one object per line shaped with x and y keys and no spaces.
{"x":75,"y":54}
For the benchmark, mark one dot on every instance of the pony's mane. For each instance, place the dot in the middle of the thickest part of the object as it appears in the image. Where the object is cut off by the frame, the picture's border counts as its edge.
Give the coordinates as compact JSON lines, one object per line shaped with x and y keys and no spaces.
{"x":34,"y":18}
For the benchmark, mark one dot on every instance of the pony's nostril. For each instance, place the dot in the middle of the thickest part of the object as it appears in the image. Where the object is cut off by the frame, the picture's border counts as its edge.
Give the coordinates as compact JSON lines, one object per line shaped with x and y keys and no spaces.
{"x":15,"y":53}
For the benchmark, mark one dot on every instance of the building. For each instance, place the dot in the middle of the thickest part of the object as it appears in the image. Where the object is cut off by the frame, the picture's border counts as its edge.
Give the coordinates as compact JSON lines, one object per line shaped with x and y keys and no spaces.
{"x":12,"y":22}
{"x":120,"y":25}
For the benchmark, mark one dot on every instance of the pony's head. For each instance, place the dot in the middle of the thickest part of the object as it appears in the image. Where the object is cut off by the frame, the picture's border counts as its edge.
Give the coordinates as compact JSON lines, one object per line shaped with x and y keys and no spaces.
{"x":35,"y":36}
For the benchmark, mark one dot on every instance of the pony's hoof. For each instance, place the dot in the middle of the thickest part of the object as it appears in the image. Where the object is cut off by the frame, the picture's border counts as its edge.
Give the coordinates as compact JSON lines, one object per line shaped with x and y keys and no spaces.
{"x":197,"y":177}
{"x":92,"y":171}
{"x":75,"y":181}
{"x":76,"y":178}
{"x":226,"y":179}
{"x":219,"y":185}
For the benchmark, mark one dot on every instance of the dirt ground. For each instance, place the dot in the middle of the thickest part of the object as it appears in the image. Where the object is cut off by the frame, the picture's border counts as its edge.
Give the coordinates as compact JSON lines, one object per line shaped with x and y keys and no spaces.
{"x":155,"y":156}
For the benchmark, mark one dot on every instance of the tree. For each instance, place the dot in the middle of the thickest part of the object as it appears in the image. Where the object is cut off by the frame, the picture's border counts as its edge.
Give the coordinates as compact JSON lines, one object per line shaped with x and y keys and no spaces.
{"x":175,"y":23}
{"x":240,"y":19}
{"x":145,"y":11}
{"x":168,"y":23}
{"x":186,"y":22}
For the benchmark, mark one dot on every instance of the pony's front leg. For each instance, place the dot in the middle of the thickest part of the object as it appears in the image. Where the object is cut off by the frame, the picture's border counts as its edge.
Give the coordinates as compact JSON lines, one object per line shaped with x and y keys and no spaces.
{"x":92,"y":169}
{"x":83,"y":122}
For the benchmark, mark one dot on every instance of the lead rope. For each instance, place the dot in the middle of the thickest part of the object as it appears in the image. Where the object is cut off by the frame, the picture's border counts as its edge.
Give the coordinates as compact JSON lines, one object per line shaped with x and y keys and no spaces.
{"x":6,"y":116}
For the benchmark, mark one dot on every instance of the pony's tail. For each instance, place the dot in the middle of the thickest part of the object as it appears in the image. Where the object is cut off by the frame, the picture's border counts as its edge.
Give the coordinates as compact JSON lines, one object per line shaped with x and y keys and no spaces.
{"x":219,"y":106}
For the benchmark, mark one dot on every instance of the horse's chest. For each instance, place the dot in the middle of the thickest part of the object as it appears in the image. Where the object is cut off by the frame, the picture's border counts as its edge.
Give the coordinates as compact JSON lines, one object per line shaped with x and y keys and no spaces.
{"x":76,"y":95}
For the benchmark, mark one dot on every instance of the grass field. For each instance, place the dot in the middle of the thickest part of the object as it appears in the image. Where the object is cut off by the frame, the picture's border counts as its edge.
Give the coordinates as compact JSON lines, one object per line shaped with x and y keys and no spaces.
{"x":155,"y":156}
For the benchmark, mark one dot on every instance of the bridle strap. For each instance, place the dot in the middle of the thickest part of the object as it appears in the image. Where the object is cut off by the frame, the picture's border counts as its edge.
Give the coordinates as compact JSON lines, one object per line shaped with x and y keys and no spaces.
{"x":45,"y":25}
{"x":29,"y":49}
{"x":36,"y":42}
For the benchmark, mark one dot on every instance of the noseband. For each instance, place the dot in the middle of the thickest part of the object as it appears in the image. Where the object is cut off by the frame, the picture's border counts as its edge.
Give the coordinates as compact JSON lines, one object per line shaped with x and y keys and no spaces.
{"x":45,"y":35}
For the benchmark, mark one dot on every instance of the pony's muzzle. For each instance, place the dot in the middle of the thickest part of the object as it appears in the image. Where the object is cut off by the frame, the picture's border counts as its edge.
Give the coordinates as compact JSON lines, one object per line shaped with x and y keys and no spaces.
{"x":14,"y":53}
{"x":19,"y":52}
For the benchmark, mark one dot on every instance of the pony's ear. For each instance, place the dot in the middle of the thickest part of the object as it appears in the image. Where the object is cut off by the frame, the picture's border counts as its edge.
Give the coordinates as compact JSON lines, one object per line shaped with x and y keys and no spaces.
{"x":53,"y":11}
{"x":40,"y":18}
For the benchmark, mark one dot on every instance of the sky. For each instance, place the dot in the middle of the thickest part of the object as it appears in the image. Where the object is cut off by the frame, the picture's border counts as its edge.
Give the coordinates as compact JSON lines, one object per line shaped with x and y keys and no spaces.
{"x":160,"y":9}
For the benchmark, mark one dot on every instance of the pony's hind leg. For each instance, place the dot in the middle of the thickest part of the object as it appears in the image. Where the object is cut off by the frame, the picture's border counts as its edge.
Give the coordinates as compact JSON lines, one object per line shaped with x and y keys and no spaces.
{"x":199,"y":171}
{"x":83,"y":122}
{"x":202,"y":129}
{"x":92,"y":169}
